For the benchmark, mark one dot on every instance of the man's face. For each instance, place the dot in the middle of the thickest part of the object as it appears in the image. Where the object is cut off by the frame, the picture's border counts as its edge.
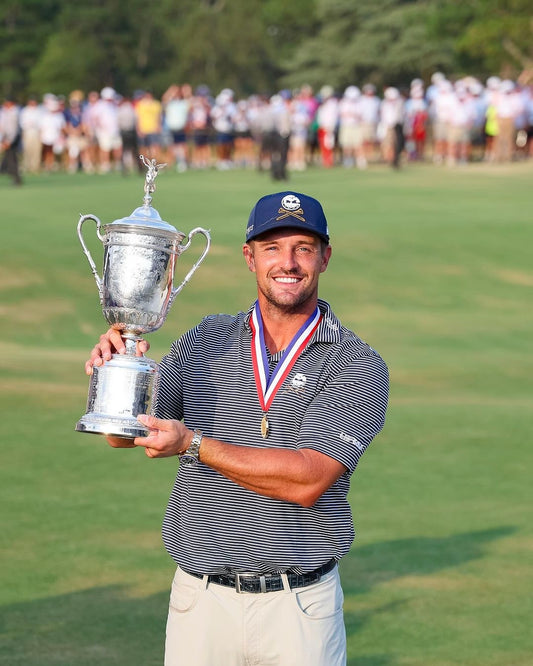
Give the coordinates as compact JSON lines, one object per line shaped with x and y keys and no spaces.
{"x":287,"y":264}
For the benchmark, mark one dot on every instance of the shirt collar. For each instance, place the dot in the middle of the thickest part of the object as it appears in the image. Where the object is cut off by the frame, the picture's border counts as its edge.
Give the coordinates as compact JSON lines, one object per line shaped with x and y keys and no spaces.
{"x":329,"y":329}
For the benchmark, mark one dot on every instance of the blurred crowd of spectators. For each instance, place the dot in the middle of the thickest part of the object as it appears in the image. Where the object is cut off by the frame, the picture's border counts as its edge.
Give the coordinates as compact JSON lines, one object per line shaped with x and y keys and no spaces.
{"x":445,"y":122}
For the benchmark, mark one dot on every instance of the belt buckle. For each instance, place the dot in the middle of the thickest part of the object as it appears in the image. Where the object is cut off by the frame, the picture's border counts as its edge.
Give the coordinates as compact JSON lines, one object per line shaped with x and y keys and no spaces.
{"x":246,"y":574}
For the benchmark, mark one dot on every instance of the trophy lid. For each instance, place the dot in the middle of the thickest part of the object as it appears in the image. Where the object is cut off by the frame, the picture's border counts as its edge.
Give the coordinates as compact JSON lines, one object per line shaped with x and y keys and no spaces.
{"x":145,"y":218}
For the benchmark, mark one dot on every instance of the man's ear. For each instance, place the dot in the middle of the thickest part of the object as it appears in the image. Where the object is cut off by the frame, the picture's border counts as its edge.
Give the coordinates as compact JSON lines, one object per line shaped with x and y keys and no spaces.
{"x":248,"y":254}
{"x":326,"y":256}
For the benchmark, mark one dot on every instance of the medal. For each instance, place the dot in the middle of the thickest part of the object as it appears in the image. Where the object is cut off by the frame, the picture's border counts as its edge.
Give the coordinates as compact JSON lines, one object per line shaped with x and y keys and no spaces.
{"x":264,"y":426}
{"x":268,"y":383}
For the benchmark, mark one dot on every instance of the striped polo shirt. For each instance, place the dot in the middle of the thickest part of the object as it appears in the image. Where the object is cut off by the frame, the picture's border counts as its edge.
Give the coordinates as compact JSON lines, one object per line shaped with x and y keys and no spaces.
{"x":333,"y":401}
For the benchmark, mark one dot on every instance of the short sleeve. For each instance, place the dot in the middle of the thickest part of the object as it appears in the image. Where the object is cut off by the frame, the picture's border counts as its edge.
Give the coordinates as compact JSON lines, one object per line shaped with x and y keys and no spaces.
{"x":349,"y":411}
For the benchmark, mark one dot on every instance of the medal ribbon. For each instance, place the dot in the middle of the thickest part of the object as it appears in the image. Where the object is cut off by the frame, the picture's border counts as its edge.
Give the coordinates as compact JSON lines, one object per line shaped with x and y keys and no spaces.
{"x":268,"y":383}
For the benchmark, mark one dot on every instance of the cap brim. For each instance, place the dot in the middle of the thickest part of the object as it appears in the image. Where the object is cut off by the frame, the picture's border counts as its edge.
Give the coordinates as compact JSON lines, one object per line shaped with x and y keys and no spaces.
{"x":274,"y":226}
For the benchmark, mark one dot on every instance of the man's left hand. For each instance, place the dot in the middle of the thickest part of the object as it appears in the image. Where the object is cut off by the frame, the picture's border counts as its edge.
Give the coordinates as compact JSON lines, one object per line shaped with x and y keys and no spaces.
{"x":166,"y":438}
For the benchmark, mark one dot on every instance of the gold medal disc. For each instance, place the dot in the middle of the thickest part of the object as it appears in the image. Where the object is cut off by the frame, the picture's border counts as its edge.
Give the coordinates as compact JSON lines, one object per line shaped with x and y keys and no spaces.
{"x":264,"y":427}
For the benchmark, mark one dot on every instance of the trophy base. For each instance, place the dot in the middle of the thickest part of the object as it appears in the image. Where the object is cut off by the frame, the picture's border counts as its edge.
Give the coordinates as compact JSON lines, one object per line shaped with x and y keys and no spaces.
{"x":119,"y":391}
{"x":106,"y":425}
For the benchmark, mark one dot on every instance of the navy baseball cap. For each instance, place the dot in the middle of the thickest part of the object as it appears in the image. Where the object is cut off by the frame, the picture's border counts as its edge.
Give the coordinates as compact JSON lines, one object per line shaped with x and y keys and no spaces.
{"x":286,"y":210}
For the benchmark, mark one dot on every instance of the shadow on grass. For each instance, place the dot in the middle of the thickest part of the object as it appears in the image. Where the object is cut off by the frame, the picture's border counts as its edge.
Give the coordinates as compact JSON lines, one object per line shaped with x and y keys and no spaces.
{"x":367,"y":566}
{"x":106,"y":627}
{"x":375,"y":563}
{"x":354,"y":621}
{"x":98,"y":626}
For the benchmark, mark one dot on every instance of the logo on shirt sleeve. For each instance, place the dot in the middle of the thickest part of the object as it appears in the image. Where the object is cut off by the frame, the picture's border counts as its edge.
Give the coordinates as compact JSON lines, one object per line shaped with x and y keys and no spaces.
{"x":351,"y":440}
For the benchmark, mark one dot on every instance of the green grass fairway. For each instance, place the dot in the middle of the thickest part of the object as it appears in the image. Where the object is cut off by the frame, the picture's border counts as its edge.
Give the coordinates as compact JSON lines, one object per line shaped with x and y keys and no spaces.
{"x":431,"y":266}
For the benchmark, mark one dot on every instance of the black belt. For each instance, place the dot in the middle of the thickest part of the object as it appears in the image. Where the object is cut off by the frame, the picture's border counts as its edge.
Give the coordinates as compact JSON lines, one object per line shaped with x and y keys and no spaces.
{"x":255,"y":583}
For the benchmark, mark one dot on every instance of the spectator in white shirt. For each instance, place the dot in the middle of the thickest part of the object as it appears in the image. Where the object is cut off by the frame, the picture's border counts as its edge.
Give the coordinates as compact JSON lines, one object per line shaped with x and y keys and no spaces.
{"x":461,"y":117}
{"x":392,"y":115}
{"x":52,"y":132}
{"x":369,"y":107}
{"x":105,"y":116}
{"x":350,"y":129}
{"x":30,"y":120}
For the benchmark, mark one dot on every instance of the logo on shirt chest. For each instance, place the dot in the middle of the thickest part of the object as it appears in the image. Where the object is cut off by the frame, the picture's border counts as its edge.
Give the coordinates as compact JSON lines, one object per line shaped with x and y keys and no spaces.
{"x":297,"y":384}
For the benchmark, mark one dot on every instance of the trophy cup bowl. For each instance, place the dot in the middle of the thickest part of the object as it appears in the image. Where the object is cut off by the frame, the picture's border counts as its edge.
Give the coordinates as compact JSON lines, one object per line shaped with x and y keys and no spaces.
{"x":136,"y":293}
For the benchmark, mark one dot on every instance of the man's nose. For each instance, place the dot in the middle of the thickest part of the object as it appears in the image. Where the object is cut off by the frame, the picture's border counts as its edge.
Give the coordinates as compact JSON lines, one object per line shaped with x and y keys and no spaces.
{"x":289,"y":261}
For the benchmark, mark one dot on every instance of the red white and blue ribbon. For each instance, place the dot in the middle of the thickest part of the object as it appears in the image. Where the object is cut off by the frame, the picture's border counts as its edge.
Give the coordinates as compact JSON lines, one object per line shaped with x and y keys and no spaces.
{"x":268,"y":383}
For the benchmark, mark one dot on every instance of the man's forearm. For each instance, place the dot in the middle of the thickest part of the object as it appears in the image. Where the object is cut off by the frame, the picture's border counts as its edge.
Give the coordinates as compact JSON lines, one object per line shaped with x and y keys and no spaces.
{"x":298,"y":476}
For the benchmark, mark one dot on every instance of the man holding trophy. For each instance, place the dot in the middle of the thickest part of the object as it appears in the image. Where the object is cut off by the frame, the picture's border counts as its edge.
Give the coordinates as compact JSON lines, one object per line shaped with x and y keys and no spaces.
{"x":268,"y":412}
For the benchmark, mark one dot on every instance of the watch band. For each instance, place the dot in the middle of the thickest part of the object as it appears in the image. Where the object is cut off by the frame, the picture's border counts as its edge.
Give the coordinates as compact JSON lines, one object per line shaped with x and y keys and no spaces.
{"x":192,"y":454}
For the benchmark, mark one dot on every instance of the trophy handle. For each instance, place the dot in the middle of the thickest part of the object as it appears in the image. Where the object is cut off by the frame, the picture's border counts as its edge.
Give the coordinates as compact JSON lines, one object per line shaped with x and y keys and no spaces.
{"x":197,"y":230}
{"x":94,"y":270}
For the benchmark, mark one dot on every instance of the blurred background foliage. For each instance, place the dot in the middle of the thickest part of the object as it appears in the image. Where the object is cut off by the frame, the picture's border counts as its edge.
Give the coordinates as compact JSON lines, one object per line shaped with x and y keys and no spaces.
{"x":256,"y":46}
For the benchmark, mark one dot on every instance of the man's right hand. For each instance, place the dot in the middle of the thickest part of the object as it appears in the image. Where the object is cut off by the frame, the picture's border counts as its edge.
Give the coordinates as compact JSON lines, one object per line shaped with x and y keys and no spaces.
{"x":111,"y":342}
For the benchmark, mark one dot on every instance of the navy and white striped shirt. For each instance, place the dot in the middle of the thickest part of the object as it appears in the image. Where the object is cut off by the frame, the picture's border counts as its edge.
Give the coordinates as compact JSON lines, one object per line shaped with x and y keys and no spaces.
{"x":336,"y":406}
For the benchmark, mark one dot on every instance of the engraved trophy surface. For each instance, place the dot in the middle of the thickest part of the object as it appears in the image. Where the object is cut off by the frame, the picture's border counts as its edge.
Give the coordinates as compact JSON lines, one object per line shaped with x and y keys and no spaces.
{"x":136,"y":291}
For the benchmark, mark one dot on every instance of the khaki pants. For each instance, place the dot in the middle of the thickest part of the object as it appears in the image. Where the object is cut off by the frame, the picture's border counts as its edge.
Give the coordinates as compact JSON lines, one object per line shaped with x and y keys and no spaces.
{"x":212,"y":625}
{"x":504,"y":142}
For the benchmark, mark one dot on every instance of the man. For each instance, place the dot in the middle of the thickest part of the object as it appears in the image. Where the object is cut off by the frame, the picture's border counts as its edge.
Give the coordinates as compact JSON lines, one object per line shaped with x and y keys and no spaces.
{"x":278,"y":405}
{"x":52,"y":128}
{"x":127,"y":124}
{"x":149,"y":112}
{"x":107,"y":130}
{"x":76,"y":135}
{"x":392,"y":117}
{"x":176,"y":109}
{"x":281,"y":116}
{"x":222,"y":117}
{"x":10,"y":139}
{"x":350,"y":131}
{"x":369,"y":109}
{"x":30,"y":124}
{"x":327,"y":117}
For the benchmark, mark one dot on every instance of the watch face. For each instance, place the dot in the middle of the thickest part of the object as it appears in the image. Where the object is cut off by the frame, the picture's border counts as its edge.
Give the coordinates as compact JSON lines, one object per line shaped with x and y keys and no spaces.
{"x":188,"y":460}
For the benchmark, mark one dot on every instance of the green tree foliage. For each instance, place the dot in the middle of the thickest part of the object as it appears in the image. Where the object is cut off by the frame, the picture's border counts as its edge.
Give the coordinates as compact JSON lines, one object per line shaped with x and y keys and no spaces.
{"x":488,"y":36}
{"x":222,"y":43}
{"x":255,"y":45}
{"x":235,"y":43}
{"x":380,"y":41}
{"x":108,"y":42}
{"x":24,"y":26}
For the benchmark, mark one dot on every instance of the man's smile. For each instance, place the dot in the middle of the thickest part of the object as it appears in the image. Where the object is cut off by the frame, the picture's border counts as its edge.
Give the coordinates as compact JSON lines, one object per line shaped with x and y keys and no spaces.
{"x":287,"y":280}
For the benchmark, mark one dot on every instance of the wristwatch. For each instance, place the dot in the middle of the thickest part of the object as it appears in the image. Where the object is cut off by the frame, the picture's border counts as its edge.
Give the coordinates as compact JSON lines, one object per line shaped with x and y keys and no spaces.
{"x":191,"y":455}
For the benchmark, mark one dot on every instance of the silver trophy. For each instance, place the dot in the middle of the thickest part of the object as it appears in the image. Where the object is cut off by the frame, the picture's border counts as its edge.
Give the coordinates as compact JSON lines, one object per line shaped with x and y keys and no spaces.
{"x":136,"y":292}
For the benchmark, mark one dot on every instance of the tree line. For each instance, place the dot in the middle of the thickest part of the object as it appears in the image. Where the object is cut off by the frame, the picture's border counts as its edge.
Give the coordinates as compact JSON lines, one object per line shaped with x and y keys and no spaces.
{"x":256,"y":46}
